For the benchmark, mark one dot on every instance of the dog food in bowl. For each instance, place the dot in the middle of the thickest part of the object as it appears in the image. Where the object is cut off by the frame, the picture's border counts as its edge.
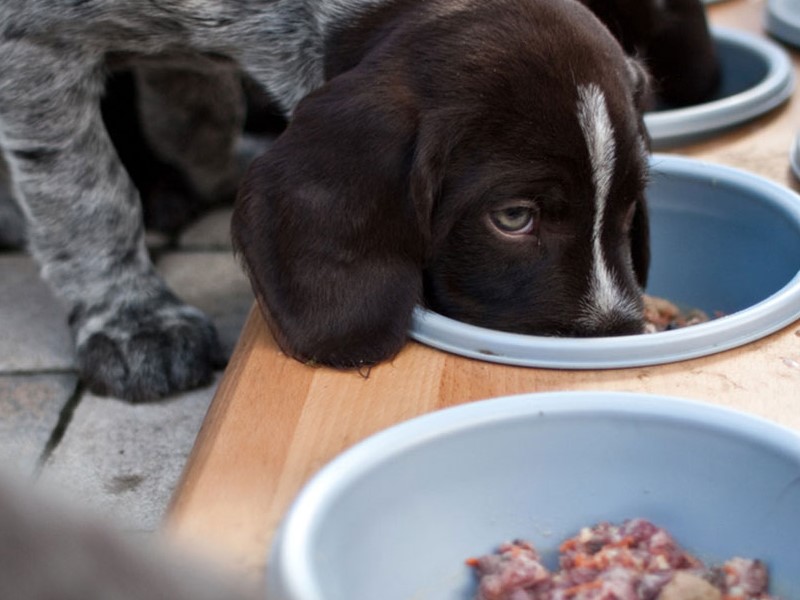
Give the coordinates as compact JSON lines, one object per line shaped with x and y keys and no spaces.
{"x":662,"y":315}
{"x":635,"y":560}
{"x":395,"y":516}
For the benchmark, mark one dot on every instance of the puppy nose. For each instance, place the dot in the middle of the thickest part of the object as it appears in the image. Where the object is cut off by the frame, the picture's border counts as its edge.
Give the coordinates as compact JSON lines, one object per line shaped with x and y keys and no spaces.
{"x":615,"y":323}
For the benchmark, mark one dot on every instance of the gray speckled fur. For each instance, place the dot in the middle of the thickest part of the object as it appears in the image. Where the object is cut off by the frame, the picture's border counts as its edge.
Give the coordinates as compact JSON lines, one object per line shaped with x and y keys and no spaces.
{"x":135,"y":339}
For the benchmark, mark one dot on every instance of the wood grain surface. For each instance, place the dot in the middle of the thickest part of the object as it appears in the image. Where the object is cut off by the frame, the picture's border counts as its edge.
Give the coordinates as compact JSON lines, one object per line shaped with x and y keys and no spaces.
{"x":274,"y":422}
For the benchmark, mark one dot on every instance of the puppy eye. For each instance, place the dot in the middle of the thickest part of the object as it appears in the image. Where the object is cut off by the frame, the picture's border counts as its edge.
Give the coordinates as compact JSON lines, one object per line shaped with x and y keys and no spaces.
{"x":518,"y":219}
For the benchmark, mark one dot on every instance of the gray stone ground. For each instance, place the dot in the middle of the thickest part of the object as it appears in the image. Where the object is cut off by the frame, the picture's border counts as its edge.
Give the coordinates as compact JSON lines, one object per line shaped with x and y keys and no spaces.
{"x":121,"y":460}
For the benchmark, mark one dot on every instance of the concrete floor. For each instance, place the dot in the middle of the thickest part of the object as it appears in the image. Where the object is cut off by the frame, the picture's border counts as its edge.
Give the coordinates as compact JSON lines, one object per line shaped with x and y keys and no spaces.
{"x":121,"y":460}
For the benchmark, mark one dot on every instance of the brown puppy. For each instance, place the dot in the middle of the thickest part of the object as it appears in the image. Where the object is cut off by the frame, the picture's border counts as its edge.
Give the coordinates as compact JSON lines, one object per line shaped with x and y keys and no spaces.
{"x":486,"y":158}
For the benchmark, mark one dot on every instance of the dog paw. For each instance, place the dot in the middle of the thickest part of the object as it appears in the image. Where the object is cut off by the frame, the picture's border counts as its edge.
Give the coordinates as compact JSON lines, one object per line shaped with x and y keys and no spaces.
{"x":141,"y":353}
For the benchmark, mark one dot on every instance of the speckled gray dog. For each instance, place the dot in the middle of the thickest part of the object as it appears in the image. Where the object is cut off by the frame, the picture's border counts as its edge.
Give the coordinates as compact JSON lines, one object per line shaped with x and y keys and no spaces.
{"x":487,"y":157}
{"x":134,"y":338}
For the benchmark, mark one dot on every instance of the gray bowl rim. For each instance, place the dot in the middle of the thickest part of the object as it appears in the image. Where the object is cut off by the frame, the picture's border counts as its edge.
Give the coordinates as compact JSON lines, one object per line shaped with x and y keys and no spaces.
{"x":291,"y":562}
{"x":794,"y":156}
{"x":776,"y":311}
{"x":693,"y":122}
{"x":782,"y":20}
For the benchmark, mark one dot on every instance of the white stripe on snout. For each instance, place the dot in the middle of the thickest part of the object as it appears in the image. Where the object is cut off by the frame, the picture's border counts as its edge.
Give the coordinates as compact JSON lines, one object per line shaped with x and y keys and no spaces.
{"x":605,"y":296}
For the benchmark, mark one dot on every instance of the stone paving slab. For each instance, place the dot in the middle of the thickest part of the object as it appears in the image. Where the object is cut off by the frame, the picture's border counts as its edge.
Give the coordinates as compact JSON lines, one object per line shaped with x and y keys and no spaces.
{"x":211,"y":231}
{"x":123,"y":461}
{"x":118,"y":460}
{"x":33,"y":323}
{"x":30,"y":407}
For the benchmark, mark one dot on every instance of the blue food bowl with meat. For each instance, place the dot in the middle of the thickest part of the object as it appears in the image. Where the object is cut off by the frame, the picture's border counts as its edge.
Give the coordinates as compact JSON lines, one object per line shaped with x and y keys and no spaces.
{"x":400,"y":515}
{"x":756,"y":77}
{"x":722,"y":240}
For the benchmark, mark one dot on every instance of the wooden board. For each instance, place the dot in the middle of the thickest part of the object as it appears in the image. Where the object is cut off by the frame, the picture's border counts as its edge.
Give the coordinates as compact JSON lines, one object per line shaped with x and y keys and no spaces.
{"x":274,"y":422}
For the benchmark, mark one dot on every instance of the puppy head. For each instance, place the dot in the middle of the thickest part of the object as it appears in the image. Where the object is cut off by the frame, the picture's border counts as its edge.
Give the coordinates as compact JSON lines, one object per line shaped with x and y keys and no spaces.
{"x":540,"y":225}
{"x":497,"y":149}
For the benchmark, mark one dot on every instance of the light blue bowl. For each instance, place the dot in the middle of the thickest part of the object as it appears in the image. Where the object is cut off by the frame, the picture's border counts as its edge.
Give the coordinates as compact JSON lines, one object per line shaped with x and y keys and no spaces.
{"x":782,"y":20}
{"x":757,"y":76}
{"x":395,"y":517}
{"x":794,"y":156}
{"x":722,"y":240}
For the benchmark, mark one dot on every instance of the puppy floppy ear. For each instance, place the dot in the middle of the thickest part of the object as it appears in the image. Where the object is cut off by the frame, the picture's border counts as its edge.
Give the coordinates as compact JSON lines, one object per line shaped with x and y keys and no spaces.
{"x":640,"y":227}
{"x":438,"y":132}
{"x":640,"y":242}
{"x":643,"y":95}
{"x":326,"y":228}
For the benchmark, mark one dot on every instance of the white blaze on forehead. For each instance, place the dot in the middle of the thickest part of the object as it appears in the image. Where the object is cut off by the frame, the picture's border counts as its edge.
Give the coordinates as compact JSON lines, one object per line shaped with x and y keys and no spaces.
{"x":605,"y":295}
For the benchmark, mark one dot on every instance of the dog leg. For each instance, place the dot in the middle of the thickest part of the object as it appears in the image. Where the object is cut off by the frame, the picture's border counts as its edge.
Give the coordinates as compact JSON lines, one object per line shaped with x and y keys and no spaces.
{"x":134,"y":338}
{"x":12,"y":223}
{"x":192,"y":119}
{"x":176,"y":126}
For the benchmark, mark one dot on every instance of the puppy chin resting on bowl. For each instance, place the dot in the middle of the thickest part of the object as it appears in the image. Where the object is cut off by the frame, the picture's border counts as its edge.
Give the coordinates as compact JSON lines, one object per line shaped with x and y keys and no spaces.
{"x":485,"y":157}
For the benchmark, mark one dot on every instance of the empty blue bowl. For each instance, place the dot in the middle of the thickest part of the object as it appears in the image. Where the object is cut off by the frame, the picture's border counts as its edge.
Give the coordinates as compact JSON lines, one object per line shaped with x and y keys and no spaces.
{"x":782,"y":20}
{"x":757,"y":76}
{"x":722,"y":240}
{"x":395,"y":516}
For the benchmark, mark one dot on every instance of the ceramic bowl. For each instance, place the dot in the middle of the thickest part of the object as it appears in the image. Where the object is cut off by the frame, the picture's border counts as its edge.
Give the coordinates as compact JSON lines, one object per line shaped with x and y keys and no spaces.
{"x":782,"y":20}
{"x":722,"y":240}
{"x":757,"y":76}
{"x":396,"y":516}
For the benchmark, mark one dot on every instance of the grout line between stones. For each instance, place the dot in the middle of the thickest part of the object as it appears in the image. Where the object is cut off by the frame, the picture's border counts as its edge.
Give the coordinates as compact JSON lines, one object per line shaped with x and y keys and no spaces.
{"x":64,"y":419}
{"x":32,"y":372}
